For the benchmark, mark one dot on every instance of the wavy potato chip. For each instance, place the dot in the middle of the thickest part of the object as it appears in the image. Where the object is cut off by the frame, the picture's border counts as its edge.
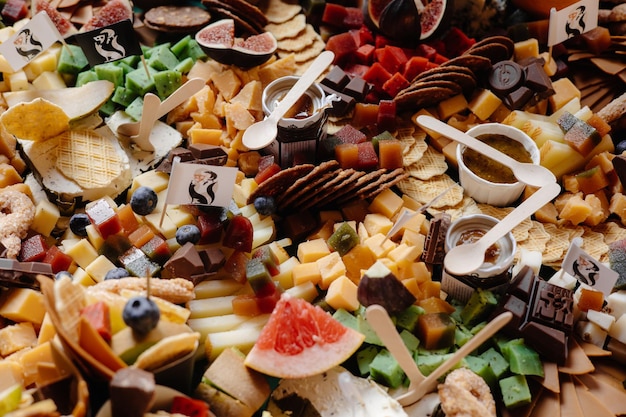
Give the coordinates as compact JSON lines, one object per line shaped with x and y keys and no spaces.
{"x":36,"y":120}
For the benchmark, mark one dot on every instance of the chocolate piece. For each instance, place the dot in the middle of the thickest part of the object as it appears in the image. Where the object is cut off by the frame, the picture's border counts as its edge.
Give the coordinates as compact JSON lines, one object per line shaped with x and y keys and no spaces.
{"x":14,"y":273}
{"x":184,"y":154}
{"x":357,"y":88}
{"x":519,"y":98}
{"x":518,"y":308}
{"x":434,"y":244}
{"x":549,"y":342}
{"x":341,"y":106}
{"x":522,"y":284}
{"x":537,"y":80}
{"x":336,"y":79}
{"x":505,"y":77}
{"x":184,"y":263}
{"x":213,"y":259}
{"x":204,"y":151}
{"x":132,"y":392}
{"x":553,"y":306}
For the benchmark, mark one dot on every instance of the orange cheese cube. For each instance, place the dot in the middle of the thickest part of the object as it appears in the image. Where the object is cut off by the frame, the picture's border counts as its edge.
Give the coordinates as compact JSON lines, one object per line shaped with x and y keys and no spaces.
{"x":342,"y":293}
{"x":416,"y":270}
{"x":412,"y":285}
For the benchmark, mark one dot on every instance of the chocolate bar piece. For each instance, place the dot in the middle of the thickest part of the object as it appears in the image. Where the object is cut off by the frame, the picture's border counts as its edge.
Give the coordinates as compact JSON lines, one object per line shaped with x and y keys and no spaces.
{"x":336,"y":78}
{"x":341,"y":106}
{"x":434,"y":244}
{"x":357,"y":88}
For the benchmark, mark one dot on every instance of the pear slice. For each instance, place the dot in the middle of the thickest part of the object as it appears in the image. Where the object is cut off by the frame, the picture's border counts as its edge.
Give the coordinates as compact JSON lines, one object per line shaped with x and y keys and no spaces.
{"x":76,"y":102}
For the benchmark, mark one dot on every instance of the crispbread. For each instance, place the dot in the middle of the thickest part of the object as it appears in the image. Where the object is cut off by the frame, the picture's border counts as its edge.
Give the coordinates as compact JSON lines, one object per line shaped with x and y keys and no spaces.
{"x":431,"y":164}
{"x":477,"y":64}
{"x":502,"y":40}
{"x":374,"y":187}
{"x":87,"y":158}
{"x":348,"y":182}
{"x":425,"y":191}
{"x":466,"y":207}
{"x":280,"y":182}
{"x":176,"y":19}
{"x":289,"y":29}
{"x":306,"y":54}
{"x":245,"y":14}
{"x":315,"y":193}
{"x":392,"y":180}
{"x":308,"y":183}
{"x":242,"y":24}
{"x":300,"y":41}
{"x":495,"y":51}
{"x":611,"y":231}
{"x":426,"y":94}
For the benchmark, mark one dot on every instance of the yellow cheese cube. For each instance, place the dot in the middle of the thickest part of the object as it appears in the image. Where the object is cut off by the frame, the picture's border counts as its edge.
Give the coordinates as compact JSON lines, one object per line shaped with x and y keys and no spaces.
{"x":250,"y":96}
{"x":166,"y":227}
{"x":576,"y":210}
{"x":95,"y":238}
{"x":179,"y":216}
{"x":46,"y":217}
{"x":8,"y":175}
{"x":10,"y":374}
{"x":415,"y":239}
{"x":80,"y":276}
{"x":99,"y":267}
{"x":82,"y":252}
{"x":377,"y":223}
{"x":312,"y":250}
{"x":362,"y":232}
{"x":358,"y":258}
{"x":414,"y":223}
{"x":279,"y":251}
{"x":307,"y":291}
{"x":528,"y":48}
{"x":306,"y":272}
{"x":47,"y":330}
{"x":379,"y":245}
{"x":342,"y":293}
{"x":412,"y":285}
{"x":410,"y":203}
{"x":404,"y":252}
{"x":331,"y":267}
{"x":45,"y":62}
{"x":564,"y":91}
{"x":49,"y":80}
{"x":17,"y":337}
{"x":17,"y":81}
{"x":424,"y":112}
{"x":6,"y":32}
{"x":205,"y":136}
{"x":205,"y":99}
{"x":285,"y":276}
{"x":29,"y":361}
{"x":237,"y":118}
{"x":451,"y":106}
{"x":549,"y":66}
{"x":351,"y":223}
{"x":156,"y":180}
{"x":484,"y":103}
{"x":390,"y":264}
{"x":387,"y":203}
{"x":205,"y":120}
{"x":23,"y":304}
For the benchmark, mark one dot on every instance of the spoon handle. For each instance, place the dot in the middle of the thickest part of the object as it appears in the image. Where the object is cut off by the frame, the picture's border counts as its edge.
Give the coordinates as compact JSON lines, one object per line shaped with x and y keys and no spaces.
{"x":182,"y":93}
{"x":526,"y":208}
{"x":457,"y":135}
{"x":304,"y":82}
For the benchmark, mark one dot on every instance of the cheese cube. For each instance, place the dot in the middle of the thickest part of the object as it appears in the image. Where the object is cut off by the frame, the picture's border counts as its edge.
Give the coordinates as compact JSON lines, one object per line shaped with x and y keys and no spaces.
{"x":32,"y":358}
{"x":82,"y":252}
{"x":484,"y":103}
{"x":46,"y":217}
{"x":166,"y":227}
{"x":306,"y":272}
{"x":331,"y":267}
{"x":227,"y":83}
{"x":17,"y":337}
{"x":49,"y":80}
{"x":415,"y":223}
{"x":387,"y":203}
{"x":564,"y":91}
{"x":99,"y":267}
{"x":342,"y":293}
{"x":379,"y":245}
{"x":404,"y":252}
{"x":17,"y":81}
{"x":415,"y":239}
{"x":205,"y":136}
{"x":377,"y":223}
{"x":23,"y":304}
{"x":618,"y":329}
{"x":80,"y":276}
{"x":156,"y":180}
{"x":451,"y":106}
{"x":528,"y":48}
{"x":312,"y":250}
{"x":44,"y":62}
{"x":10,"y":374}
{"x":306,"y":291}
{"x":94,"y":236}
{"x":179,"y":216}
{"x":285,"y":276}
{"x":47,"y":330}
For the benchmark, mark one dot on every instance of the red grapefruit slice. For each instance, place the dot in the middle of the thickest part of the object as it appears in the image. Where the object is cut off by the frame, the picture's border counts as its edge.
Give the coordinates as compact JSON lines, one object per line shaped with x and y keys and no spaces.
{"x":301,"y":340}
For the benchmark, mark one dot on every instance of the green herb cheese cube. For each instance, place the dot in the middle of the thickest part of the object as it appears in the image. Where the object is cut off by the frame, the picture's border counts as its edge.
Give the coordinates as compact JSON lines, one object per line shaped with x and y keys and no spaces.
{"x":385,"y":370}
{"x":139,"y":81}
{"x":135,"y":108}
{"x":195,"y":52}
{"x":407,"y":319}
{"x":428,"y":363}
{"x":162,"y":58}
{"x":166,"y":82}
{"x":181,"y":47}
{"x":480,"y":305}
{"x":72,"y":60}
{"x":523,"y":359}
{"x":515,"y":391}
{"x":497,"y":362}
{"x":364,"y":358}
{"x":185,"y":65}
{"x":346,"y":318}
{"x":370,"y":335}
{"x":461,"y":335}
{"x":123,"y":96}
{"x":108,"y":108}
{"x":110,"y":72}
{"x":130,"y":60}
{"x":86,"y":77}
{"x":481,"y":367}
{"x":410,"y":341}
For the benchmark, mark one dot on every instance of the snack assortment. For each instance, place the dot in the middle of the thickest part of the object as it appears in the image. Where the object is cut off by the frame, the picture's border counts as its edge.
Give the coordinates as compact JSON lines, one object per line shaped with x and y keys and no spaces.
{"x":111,"y":292}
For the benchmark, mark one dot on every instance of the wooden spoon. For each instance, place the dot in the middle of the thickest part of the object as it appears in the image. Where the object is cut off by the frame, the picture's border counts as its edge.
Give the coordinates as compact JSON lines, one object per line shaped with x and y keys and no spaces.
{"x":526,"y":172}
{"x":466,"y":258}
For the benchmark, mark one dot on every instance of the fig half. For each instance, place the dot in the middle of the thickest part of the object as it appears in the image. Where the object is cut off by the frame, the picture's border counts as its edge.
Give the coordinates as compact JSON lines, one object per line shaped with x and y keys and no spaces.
{"x":219,"y":42}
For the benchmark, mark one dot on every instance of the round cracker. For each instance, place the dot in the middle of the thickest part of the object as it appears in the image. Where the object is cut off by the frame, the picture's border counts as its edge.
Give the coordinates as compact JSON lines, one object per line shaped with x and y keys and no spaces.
{"x":289,"y":29}
{"x":278,"y":11}
{"x":176,"y":18}
{"x":36,"y":120}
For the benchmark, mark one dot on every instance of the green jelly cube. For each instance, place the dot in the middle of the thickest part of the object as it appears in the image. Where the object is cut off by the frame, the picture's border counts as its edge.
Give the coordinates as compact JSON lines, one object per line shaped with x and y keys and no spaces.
{"x":498,"y":364}
{"x":108,"y":108}
{"x":110,"y":72}
{"x":72,"y":60}
{"x":135,"y":108}
{"x":370,"y":335}
{"x":181,"y":47}
{"x":257,"y":274}
{"x":166,"y":82}
{"x":410,"y":341}
{"x":523,"y":359}
{"x":343,"y":239}
{"x":386,"y":135}
{"x":162,"y":58}
{"x":515,"y":391}
{"x":185,"y":65}
{"x":195,"y":52}
{"x":364,"y":358}
{"x":86,"y":77}
{"x":481,"y":367}
{"x":139,"y":81}
{"x":408,"y":318}
{"x":480,"y":305}
{"x":385,"y":370}
{"x":123,"y":96}
{"x":346,"y":318}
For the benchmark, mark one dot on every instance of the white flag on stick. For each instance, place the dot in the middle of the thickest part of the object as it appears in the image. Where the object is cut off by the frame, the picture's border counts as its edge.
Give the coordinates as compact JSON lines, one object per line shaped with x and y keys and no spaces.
{"x":572,"y":20}
{"x":208,"y":185}
{"x":31,"y":40}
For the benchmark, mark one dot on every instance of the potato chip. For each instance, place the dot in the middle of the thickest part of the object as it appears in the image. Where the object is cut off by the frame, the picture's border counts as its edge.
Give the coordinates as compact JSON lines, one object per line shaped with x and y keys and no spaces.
{"x":35,"y":120}
{"x":167,"y":350}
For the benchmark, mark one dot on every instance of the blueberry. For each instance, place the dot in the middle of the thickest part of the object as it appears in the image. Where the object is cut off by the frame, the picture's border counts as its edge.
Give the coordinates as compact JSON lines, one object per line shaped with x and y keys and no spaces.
{"x":79,"y":223}
{"x":143,"y":201}
{"x":141,"y":314}
{"x":620,"y":147}
{"x":116,"y":273}
{"x":188,"y":233}
{"x":62,"y":274}
{"x":265,"y":205}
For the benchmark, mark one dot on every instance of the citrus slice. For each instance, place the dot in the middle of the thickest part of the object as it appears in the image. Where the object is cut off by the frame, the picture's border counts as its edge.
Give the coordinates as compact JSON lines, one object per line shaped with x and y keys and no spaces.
{"x":301,"y":340}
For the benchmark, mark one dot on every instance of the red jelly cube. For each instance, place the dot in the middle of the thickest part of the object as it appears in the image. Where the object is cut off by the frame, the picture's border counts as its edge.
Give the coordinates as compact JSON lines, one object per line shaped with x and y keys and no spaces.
{"x":415,"y":66}
{"x":235,"y":266}
{"x":353,"y":19}
{"x":268,"y":300}
{"x":392,"y":58}
{"x":348,"y":134}
{"x":368,"y":159}
{"x":239,"y":234}
{"x":334,"y":14}
{"x":15,"y":10}
{"x":211,"y":228}
{"x":365,"y":54}
{"x":456,"y":42}
{"x":157,"y":249}
{"x":33,"y":249}
{"x":104,"y":218}
{"x":189,"y":407}
{"x":99,"y":317}
{"x":268,"y":258}
{"x":395,"y":84}
{"x":377,"y":75}
{"x":386,"y":119}
{"x":363,"y":36}
{"x":343,"y":45}
{"x":58,"y":260}
{"x":426,"y":51}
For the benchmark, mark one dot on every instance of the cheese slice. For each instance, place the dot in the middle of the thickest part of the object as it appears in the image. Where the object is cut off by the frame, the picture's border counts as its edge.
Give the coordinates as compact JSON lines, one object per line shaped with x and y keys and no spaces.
{"x":577,"y":361}
{"x":570,"y":407}
{"x":548,"y":404}
{"x":590,"y":404}
{"x":550,"y":379}
{"x":613,"y":398}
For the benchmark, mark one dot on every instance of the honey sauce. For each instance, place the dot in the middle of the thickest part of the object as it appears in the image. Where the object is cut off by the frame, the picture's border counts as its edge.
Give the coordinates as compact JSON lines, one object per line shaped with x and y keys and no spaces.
{"x":491,"y":170}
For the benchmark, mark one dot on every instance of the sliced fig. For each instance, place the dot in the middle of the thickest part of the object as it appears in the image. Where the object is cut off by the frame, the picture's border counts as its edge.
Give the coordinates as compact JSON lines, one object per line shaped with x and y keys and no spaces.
{"x":219,"y":42}
{"x":61,"y":23}
{"x":112,"y":12}
{"x":374,"y":10}
{"x":432,"y":18}
{"x":400,"y":20}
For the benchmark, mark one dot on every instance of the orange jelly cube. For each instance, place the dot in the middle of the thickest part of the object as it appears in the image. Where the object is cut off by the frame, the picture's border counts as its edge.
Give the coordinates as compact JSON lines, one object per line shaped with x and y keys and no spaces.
{"x":590,"y":300}
{"x":435,"y":305}
{"x":128,"y":219}
{"x":347,"y":154}
{"x":364,"y":115}
{"x":431,"y":289}
{"x":246,"y":305}
{"x":390,"y":154}
{"x":141,"y":235}
{"x":358,"y":258}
